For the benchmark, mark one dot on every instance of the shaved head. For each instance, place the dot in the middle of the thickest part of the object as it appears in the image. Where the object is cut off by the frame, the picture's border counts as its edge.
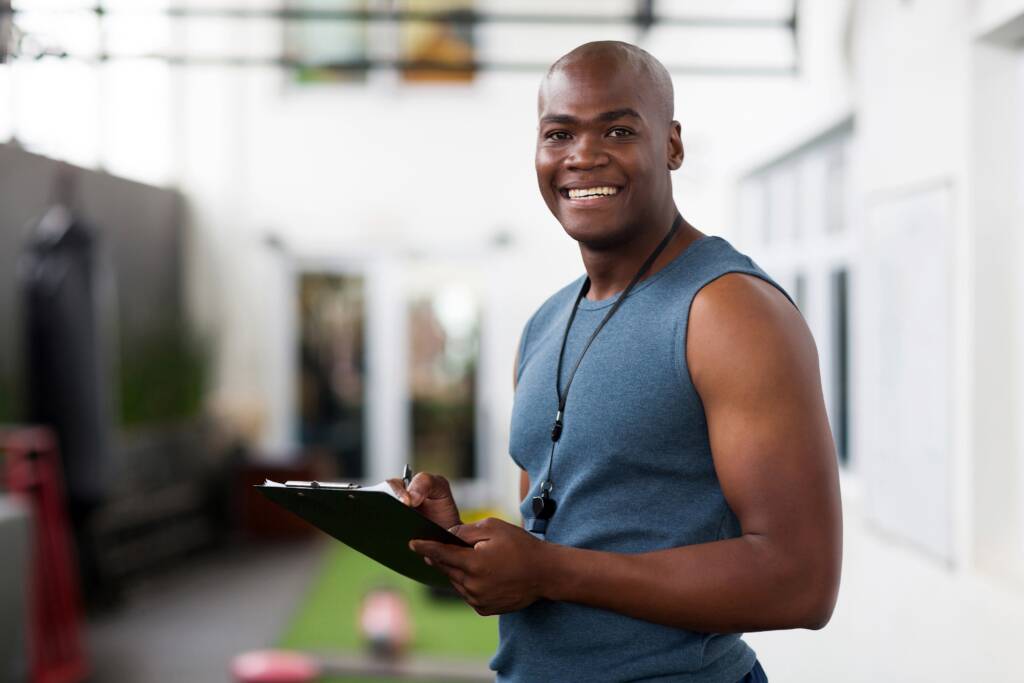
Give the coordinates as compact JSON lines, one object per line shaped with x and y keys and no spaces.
{"x":617,"y":56}
{"x":607,"y":144}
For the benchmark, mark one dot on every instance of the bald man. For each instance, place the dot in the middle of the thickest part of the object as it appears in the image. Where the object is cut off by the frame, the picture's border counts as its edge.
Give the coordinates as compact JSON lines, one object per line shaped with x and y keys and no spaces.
{"x":679,"y":482}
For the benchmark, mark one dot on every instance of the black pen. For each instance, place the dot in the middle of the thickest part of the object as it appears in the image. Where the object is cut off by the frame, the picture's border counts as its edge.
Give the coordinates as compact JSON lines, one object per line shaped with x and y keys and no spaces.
{"x":407,"y":475}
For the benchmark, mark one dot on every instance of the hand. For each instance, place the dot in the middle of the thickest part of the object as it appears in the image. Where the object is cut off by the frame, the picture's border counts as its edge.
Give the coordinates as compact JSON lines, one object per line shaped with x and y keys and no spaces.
{"x":499,"y":573}
{"x":431,"y":495}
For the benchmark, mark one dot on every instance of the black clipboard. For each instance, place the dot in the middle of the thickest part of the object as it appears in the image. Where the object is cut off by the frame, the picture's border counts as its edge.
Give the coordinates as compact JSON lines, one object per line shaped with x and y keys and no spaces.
{"x":373,"y":522}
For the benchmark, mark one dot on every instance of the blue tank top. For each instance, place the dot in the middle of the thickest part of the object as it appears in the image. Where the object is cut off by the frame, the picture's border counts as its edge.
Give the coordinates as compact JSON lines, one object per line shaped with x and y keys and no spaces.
{"x":632,"y":473}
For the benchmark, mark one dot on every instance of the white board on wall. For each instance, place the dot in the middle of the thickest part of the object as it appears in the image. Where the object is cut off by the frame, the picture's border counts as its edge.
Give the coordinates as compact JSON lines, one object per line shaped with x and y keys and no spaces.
{"x":907,"y":454}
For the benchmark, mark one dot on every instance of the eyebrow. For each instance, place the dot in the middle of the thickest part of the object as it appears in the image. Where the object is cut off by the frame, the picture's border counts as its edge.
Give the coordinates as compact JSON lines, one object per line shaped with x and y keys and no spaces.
{"x":602,"y":117}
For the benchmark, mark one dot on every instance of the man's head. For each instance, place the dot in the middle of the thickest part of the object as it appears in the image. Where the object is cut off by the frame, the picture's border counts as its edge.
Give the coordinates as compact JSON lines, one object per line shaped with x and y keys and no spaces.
{"x":605,"y":112}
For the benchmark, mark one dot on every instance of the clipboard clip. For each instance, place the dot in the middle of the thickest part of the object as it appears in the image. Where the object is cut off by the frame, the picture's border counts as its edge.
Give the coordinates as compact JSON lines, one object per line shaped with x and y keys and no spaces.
{"x":343,"y":485}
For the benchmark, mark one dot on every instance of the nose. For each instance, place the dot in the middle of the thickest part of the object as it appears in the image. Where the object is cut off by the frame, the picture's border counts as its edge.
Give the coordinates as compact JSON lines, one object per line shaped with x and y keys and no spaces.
{"x":586,"y":153}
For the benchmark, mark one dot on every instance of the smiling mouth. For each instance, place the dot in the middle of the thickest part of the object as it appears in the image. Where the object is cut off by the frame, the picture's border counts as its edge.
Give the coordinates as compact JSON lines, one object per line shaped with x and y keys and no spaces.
{"x":589,"y":193}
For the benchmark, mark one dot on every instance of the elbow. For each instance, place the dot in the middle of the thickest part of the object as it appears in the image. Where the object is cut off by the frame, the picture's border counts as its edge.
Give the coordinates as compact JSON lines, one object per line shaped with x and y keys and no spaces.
{"x":818,"y":618}
{"x":818,"y":598}
{"x":805,"y":592}
{"x":804,"y":584}
{"x":819,"y":572}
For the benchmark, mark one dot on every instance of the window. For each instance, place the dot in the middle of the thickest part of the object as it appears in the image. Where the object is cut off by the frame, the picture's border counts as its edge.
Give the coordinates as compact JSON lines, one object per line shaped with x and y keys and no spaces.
{"x":753,"y":212}
{"x":435,"y":42}
{"x":338,"y":40}
{"x":332,"y":371}
{"x":320,"y":44}
{"x":835,"y":188}
{"x":800,"y":292}
{"x":839,"y":306}
{"x":444,"y":341}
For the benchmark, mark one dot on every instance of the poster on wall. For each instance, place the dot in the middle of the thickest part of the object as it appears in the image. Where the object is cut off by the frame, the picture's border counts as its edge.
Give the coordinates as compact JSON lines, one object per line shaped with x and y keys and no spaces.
{"x":907,"y":368}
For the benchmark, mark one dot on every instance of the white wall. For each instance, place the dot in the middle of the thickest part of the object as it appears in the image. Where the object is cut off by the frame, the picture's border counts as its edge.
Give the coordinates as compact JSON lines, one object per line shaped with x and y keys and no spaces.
{"x":912,"y":79}
{"x":383,"y":171}
{"x":386,"y":170}
{"x":937,"y":103}
{"x":997,"y":166}
{"x":377,"y":175}
{"x":1019,"y":418}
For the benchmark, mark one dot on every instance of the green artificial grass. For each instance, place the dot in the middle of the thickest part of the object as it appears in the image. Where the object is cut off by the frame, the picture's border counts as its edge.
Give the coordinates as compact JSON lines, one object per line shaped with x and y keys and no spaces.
{"x":328,"y":618}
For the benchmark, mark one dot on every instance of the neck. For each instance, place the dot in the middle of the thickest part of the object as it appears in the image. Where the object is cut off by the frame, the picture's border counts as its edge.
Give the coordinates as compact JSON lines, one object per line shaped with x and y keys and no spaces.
{"x":611,"y":269}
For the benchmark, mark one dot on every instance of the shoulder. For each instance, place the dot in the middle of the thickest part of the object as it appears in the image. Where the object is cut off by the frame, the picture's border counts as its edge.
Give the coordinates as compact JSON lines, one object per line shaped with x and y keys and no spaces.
{"x":743,"y":328}
{"x":542,"y":320}
{"x":552,"y":307}
{"x":745,"y":295}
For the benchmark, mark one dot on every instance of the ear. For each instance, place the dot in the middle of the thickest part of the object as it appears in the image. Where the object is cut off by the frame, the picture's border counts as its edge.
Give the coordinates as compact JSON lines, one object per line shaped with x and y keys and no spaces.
{"x":675,"y":146}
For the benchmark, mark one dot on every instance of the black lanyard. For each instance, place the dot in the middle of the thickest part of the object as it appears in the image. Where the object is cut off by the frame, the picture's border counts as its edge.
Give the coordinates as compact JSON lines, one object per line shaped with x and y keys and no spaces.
{"x":544,"y":505}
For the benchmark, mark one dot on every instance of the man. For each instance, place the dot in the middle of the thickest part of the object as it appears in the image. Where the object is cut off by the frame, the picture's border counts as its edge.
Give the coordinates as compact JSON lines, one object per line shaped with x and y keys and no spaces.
{"x":679,"y":478}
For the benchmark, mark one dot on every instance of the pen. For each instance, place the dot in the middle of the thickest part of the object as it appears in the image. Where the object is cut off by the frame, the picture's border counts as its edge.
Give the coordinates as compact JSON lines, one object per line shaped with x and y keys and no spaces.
{"x":407,"y":475}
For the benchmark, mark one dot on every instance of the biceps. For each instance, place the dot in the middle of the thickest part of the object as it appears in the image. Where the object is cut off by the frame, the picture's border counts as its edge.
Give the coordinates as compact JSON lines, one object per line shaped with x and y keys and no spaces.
{"x":769,"y":434}
{"x":773,"y":452}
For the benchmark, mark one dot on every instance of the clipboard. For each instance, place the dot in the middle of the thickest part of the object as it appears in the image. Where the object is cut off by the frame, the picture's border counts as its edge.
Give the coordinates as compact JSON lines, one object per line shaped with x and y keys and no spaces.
{"x":370,"y":520}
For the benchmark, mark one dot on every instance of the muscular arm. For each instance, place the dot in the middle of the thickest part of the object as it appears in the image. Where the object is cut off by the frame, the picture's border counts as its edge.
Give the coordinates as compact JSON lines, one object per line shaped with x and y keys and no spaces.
{"x":754,"y":364}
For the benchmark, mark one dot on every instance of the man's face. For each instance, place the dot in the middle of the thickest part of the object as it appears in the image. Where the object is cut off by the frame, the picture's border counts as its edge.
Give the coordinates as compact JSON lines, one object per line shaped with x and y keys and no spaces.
{"x":603,"y":152}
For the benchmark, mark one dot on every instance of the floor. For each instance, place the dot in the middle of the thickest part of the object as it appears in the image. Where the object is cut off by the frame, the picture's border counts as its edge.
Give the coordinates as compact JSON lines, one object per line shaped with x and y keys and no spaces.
{"x":186,"y":625}
{"x":901,"y":617}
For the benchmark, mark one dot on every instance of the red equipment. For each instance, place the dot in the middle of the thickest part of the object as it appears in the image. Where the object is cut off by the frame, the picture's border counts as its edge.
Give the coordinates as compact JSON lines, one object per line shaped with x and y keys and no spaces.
{"x":32,"y":471}
{"x":274,"y":666}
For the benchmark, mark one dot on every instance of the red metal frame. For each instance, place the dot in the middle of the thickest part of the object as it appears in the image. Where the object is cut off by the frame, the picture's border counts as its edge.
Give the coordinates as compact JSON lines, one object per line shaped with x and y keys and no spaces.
{"x":32,"y":470}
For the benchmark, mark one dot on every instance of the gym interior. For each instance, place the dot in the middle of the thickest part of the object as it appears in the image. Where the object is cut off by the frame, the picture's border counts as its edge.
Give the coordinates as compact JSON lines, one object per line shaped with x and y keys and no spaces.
{"x":299,"y":239}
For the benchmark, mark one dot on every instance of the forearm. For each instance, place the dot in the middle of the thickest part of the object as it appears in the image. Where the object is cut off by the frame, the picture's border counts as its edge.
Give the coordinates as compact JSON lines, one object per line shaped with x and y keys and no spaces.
{"x":736,"y":585}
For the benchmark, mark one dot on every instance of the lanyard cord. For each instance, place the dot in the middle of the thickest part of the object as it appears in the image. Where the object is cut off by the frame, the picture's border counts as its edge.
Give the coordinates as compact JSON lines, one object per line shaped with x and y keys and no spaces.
{"x":563,"y":395}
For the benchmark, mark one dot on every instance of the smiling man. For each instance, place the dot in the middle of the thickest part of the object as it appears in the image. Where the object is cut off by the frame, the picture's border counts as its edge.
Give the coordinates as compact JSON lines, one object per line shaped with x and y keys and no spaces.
{"x":679,"y":482}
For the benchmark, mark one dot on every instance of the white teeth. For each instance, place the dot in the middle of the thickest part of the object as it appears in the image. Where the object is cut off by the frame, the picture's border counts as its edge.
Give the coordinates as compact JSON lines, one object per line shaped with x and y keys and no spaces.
{"x":584,"y":192}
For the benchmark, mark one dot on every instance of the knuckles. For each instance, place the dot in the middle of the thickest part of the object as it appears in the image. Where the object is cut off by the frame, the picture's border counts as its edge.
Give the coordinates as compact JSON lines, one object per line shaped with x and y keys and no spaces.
{"x":424,"y":483}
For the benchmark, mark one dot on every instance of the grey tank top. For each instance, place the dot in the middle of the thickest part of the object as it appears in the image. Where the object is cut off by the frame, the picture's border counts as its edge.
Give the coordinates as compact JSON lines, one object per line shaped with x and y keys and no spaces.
{"x":632,"y":473}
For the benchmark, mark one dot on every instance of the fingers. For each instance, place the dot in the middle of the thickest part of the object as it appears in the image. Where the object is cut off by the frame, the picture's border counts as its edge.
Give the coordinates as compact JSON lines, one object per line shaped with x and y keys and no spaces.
{"x":455,"y":575}
{"x":425,"y":485}
{"x":474,"y":533}
{"x":457,"y":565}
{"x":461,"y":582}
{"x":398,"y":486}
{"x":443,"y":554}
{"x":432,"y":556}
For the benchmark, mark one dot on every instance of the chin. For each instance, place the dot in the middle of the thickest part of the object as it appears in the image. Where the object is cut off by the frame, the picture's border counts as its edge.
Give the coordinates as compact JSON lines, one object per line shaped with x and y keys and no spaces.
{"x":593,"y":235}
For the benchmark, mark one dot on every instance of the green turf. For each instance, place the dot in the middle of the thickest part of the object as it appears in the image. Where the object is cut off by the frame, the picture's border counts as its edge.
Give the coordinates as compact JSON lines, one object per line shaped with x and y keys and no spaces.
{"x":327,"y":619}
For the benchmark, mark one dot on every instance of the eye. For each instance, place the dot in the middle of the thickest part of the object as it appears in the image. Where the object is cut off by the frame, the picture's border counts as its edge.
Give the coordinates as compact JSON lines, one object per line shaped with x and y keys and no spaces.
{"x":620,"y":132}
{"x":557,"y":135}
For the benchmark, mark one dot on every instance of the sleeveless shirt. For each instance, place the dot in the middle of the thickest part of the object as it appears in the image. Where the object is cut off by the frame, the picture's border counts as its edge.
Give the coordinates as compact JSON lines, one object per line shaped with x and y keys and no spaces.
{"x":632,"y":473}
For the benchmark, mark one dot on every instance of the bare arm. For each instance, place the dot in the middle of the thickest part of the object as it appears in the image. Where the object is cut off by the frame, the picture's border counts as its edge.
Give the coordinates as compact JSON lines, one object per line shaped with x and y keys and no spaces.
{"x":754,"y":364}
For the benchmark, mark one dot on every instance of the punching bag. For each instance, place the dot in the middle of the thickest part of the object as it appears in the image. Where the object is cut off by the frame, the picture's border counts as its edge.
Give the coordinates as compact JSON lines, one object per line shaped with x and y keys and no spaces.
{"x":68,"y":376}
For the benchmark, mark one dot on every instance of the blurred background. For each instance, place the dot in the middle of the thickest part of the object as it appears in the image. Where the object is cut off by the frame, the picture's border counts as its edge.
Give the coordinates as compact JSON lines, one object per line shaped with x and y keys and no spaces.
{"x":298,"y":239}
